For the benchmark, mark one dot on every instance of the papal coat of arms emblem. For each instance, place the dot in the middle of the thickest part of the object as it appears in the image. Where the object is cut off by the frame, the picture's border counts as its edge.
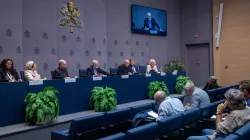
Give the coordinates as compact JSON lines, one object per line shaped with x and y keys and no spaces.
{"x":71,"y":14}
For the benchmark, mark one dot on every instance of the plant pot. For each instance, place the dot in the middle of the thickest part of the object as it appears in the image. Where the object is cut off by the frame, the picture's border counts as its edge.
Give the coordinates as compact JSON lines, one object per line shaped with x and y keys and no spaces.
{"x":47,"y":120}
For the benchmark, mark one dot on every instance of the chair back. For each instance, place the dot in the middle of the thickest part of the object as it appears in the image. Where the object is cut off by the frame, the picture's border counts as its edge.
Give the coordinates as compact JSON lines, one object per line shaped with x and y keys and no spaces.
{"x":191,"y":116}
{"x":120,"y":115}
{"x":208,"y":111}
{"x":83,"y":73}
{"x":118,"y":136}
{"x":145,"y":132}
{"x":170,"y":124}
{"x":139,"y":108}
{"x":244,"y":132}
{"x":113,"y":71}
{"x":231,"y":137}
{"x":22,"y":76}
{"x":86,"y":124}
{"x":143,"y":69}
{"x":51,"y":73}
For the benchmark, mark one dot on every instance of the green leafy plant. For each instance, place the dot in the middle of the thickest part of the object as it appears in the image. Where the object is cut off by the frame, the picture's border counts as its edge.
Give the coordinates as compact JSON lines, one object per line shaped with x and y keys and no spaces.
{"x":156,"y":86}
{"x":43,"y":107}
{"x":103,"y":99}
{"x":174,"y":65}
{"x":180,"y":83}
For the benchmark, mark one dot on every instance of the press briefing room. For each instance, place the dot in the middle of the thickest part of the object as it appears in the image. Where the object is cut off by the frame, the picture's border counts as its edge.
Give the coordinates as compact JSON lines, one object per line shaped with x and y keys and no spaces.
{"x":124,"y":70}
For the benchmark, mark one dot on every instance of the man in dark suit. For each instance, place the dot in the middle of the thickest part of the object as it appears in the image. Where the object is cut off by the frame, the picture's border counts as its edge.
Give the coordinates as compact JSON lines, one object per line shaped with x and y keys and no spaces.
{"x":133,"y":66}
{"x":125,"y":69}
{"x":95,"y":70}
{"x":150,"y":23}
{"x":61,"y":72}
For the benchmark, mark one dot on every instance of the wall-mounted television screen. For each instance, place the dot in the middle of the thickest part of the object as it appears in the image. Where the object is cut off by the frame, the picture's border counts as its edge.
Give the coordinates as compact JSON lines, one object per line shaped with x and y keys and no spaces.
{"x":145,"y":20}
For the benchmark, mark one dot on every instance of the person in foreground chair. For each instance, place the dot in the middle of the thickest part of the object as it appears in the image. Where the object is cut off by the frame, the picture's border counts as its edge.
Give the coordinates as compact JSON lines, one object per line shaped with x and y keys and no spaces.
{"x":211,"y":84}
{"x":7,"y":71}
{"x":61,"y":72}
{"x":124,"y":69}
{"x":95,"y":70}
{"x":168,"y":106}
{"x":238,"y":117}
{"x":30,"y":73}
{"x":152,"y":68}
{"x":245,"y":89}
{"x":196,"y":97}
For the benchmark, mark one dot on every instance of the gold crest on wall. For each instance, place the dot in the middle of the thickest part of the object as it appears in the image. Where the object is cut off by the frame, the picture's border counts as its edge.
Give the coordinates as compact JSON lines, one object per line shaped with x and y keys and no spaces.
{"x":71,"y":14}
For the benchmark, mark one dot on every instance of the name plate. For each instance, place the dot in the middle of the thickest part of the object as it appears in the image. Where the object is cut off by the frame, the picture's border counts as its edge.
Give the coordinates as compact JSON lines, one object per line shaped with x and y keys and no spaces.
{"x":147,"y":75}
{"x":163,"y":74}
{"x":38,"y":82}
{"x":97,"y":78}
{"x":70,"y":80}
{"x":104,"y":75}
{"x":125,"y":76}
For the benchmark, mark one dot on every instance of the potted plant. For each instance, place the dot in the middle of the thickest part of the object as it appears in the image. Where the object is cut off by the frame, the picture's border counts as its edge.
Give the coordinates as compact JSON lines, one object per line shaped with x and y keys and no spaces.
{"x":103,"y":99}
{"x":180,"y":83}
{"x":42,"y":108}
{"x":174,"y":65}
{"x":156,"y":86}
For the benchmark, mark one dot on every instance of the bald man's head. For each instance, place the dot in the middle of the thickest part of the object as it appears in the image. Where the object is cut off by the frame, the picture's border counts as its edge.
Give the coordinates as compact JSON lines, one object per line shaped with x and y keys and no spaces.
{"x":160,"y":96}
{"x":62,"y":64}
{"x":126,"y":63}
{"x":95,"y":63}
{"x":149,"y":15}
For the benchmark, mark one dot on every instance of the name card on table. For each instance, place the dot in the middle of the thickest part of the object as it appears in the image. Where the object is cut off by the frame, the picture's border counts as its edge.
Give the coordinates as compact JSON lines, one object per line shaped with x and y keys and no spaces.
{"x":125,"y":76}
{"x":70,"y":80}
{"x":147,"y":75}
{"x":163,"y":74}
{"x":97,"y":78}
{"x":174,"y":72}
{"x":37,"y":82}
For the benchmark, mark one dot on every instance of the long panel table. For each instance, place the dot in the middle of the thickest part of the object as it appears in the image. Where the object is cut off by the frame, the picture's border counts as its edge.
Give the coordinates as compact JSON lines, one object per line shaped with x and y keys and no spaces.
{"x":74,"y":97}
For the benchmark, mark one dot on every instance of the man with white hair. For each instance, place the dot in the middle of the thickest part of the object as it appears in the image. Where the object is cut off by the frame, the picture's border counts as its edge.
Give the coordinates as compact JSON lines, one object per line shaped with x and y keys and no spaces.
{"x":211,"y":84}
{"x":197,"y":97}
{"x":125,"y":69}
{"x":168,"y":106}
{"x":95,"y":70}
{"x":150,"y":22}
{"x":61,"y":72}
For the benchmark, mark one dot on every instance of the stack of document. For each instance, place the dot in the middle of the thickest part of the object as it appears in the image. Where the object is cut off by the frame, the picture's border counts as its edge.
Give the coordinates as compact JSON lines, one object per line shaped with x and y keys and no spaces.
{"x":153,"y":114}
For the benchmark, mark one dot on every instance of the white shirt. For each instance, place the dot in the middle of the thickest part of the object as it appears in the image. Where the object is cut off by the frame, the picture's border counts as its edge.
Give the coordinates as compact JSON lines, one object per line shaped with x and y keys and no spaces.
{"x":149,"y":68}
{"x":31,"y":75}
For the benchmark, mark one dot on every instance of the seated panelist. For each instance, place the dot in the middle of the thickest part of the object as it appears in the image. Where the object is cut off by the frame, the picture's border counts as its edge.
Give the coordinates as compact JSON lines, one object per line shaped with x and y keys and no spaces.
{"x":125,"y":69}
{"x":132,"y":66}
{"x":7,"y":71}
{"x":95,"y":70}
{"x":30,"y":71}
{"x":152,"y":68}
{"x":61,"y":72}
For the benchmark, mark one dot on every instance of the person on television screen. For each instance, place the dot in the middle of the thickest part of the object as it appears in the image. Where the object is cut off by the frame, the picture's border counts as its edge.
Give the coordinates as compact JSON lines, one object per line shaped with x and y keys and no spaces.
{"x":150,"y":23}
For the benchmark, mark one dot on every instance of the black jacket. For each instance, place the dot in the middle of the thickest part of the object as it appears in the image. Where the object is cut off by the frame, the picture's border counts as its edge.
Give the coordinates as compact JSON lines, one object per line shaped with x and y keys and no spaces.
{"x":13,"y":73}
{"x":153,"y":24}
{"x":210,"y":87}
{"x":60,"y":73}
{"x":122,"y":70}
{"x":90,"y":71}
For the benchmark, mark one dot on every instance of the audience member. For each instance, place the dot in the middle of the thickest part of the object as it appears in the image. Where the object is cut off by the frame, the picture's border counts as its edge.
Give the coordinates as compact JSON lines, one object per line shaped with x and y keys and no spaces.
{"x":197,"y":97}
{"x":239,"y":116}
{"x":211,"y":84}
{"x":168,"y":106}
{"x":152,"y":68}
{"x":132,"y":66}
{"x":7,"y":71}
{"x":61,"y":72}
{"x":245,"y":89}
{"x":95,"y":70}
{"x":30,"y":73}
{"x":124,"y":69}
